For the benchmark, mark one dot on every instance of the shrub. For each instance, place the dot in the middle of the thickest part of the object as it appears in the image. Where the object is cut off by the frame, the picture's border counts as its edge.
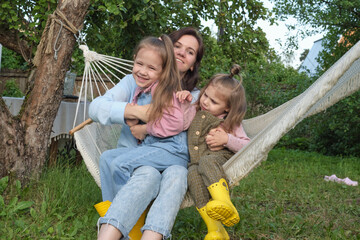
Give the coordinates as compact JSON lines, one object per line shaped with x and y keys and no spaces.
{"x":338,"y":128}
{"x":12,"y":89}
{"x":12,"y":60}
{"x":335,"y":131}
{"x":269,"y":85}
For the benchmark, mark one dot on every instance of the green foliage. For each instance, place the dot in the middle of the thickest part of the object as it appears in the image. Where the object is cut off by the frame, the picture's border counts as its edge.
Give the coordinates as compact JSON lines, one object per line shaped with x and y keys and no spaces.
{"x":336,"y":18}
{"x":269,"y":85}
{"x":12,"y":89}
{"x":113,"y":27}
{"x":27,"y":18}
{"x":335,"y":131}
{"x":59,"y":206}
{"x":338,"y":128}
{"x":214,"y":61}
{"x":11,"y":207}
{"x":304,"y":55}
{"x":12,"y":60}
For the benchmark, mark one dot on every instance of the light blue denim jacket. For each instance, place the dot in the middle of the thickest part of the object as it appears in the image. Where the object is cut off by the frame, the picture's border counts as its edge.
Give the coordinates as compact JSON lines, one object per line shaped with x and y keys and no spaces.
{"x":109,"y":109}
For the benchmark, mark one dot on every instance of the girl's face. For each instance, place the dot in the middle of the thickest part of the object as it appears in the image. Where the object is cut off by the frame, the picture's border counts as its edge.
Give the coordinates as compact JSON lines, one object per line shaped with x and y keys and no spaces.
{"x":185,"y":50}
{"x":147,"y":67}
{"x":214,"y":101}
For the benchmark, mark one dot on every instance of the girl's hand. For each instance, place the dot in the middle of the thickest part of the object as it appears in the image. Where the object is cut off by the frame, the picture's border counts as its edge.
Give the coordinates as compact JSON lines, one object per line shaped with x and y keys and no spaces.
{"x":184,"y":95}
{"x":139,"y":131}
{"x":216,"y":139}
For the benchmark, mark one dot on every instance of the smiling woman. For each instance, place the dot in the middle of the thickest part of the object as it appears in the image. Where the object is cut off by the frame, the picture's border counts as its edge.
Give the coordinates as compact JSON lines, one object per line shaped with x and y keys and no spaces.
{"x":186,"y":42}
{"x":185,"y":53}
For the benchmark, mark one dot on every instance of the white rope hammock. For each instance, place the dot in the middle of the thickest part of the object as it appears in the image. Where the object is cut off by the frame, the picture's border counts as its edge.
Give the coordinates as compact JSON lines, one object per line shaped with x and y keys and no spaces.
{"x":341,"y":80}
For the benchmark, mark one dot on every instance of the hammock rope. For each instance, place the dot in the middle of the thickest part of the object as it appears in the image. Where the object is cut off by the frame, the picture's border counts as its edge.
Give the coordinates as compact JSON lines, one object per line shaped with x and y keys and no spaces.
{"x":341,"y":80}
{"x":97,"y":68}
{"x":48,"y":35}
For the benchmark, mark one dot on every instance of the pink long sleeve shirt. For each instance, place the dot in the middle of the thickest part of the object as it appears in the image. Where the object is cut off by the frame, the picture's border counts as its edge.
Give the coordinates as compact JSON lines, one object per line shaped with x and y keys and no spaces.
{"x":171,"y":123}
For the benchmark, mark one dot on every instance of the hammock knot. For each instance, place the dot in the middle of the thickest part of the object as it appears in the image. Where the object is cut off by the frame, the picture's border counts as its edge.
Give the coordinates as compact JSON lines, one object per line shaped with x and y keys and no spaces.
{"x":89,"y":56}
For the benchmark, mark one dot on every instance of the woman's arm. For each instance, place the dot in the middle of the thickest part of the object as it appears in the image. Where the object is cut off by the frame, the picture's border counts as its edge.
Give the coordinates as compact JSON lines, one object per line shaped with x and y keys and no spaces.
{"x":110,"y":108}
{"x":217,"y":139}
{"x":137,"y":112}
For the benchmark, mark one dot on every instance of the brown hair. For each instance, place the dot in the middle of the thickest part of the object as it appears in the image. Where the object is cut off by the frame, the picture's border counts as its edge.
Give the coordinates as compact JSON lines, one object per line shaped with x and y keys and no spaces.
{"x":236,"y":99}
{"x":169,"y":81}
{"x":191,"y":77}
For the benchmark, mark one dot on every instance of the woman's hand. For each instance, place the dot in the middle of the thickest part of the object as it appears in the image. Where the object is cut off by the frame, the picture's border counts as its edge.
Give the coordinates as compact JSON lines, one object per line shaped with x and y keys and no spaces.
{"x":134,"y":111}
{"x":132,"y":122}
{"x":184,"y":95}
{"x":216,"y":139}
{"x":139,"y":131}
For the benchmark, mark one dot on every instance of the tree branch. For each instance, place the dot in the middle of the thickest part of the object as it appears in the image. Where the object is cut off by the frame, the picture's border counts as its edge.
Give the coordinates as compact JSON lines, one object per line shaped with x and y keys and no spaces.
{"x":9,"y":39}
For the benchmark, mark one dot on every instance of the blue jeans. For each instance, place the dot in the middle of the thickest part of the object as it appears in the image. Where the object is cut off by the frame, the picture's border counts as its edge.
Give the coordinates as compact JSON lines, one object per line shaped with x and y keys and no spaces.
{"x":117,"y":165}
{"x":144,"y":185}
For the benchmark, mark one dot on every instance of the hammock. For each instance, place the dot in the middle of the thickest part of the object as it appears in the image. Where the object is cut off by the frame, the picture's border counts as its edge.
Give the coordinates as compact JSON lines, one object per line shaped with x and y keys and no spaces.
{"x":341,"y":80}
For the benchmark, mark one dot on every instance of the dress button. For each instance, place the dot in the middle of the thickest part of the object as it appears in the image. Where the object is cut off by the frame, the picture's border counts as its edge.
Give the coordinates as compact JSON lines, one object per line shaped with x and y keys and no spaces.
{"x":197,"y":133}
{"x":203,"y":116}
{"x":196,"y":148}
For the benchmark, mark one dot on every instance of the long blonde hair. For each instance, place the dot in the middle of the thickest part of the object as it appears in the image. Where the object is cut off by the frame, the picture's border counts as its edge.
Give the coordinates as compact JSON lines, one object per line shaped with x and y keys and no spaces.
{"x":235,"y":97}
{"x":169,"y":81}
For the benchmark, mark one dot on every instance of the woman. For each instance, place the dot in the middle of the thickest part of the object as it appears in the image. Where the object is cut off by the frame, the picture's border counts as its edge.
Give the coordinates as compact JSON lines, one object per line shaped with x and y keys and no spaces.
{"x":167,"y":188}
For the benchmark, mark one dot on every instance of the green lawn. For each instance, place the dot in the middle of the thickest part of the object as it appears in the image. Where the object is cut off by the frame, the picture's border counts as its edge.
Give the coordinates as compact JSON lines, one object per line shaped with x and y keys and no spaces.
{"x":284,"y":198}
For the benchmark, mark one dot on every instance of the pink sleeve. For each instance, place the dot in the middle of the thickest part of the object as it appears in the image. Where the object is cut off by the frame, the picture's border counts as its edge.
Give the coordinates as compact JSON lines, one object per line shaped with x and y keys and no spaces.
{"x":237,"y":140}
{"x":172,"y":122}
{"x":189,"y":114}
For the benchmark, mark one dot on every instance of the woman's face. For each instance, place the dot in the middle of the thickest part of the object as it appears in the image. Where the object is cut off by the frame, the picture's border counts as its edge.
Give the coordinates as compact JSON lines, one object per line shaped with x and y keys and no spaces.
{"x":186,"y":49}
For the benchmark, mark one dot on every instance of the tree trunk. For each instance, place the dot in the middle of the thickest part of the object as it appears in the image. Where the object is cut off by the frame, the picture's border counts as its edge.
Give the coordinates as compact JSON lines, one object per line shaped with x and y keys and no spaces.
{"x":24,"y":139}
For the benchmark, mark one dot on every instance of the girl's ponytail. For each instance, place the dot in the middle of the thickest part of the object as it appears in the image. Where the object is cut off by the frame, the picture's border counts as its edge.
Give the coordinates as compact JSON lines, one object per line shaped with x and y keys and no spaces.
{"x":236,"y":100}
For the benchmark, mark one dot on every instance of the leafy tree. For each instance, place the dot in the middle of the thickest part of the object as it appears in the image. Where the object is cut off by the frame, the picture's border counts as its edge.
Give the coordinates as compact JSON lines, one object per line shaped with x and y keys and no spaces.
{"x":304,"y":55}
{"x":24,"y":138}
{"x":335,"y":17}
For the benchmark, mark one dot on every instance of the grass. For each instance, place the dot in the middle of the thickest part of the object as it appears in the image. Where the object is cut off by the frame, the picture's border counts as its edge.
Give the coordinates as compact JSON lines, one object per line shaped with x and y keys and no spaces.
{"x":287,"y":198}
{"x":284,"y":198}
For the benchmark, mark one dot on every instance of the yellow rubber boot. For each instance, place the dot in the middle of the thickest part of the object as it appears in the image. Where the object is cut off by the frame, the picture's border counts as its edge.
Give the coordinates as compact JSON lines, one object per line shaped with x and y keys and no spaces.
{"x":221,"y":207}
{"x":102,"y":207}
{"x":216,"y":231}
{"x":135,"y":233}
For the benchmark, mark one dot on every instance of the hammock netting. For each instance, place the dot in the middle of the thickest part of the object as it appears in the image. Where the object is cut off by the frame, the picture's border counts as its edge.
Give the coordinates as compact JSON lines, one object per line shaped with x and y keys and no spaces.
{"x":341,"y":80}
